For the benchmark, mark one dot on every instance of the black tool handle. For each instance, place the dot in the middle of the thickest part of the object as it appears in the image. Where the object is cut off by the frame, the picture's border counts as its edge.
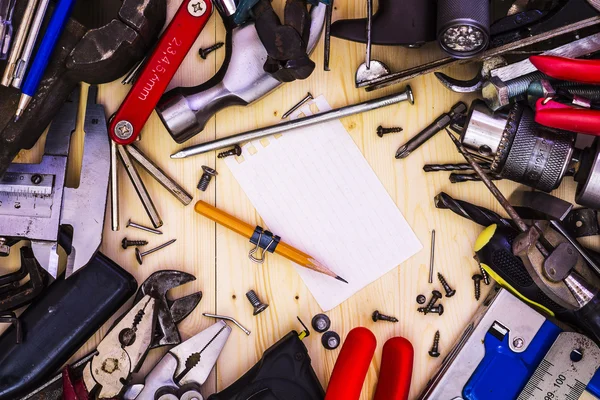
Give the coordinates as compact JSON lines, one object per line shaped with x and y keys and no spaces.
{"x":283,"y":373}
{"x":59,"y":322}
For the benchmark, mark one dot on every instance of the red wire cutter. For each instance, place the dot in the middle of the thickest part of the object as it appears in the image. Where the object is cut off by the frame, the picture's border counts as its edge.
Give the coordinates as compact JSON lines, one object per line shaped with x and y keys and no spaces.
{"x":562,"y":116}
{"x":353,"y":363}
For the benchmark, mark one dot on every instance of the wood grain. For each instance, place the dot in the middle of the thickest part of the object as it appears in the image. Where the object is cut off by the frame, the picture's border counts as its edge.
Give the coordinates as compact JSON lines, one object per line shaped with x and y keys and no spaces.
{"x":218,"y":256}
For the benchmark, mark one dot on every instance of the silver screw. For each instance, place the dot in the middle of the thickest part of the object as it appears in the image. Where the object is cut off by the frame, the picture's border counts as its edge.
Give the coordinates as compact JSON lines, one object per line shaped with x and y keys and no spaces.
{"x":128,"y":243}
{"x":518,"y":343}
{"x":258,"y":305}
{"x":206,"y":177}
{"x":302,"y":102}
{"x":432,"y":256}
{"x":139,"y":255}
{"x":124,"y":129}
{"x":205,"y":52}
{"x":236,"y":151}
{"x":143,"y":228}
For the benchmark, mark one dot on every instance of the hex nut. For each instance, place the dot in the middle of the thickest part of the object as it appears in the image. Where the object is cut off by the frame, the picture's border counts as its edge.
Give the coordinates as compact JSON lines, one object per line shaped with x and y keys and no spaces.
{"x":495,"y":93}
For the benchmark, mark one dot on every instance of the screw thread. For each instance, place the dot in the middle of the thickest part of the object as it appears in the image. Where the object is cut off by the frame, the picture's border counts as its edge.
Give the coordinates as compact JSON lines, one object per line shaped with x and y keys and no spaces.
{"x":204,"y":182}
{"x":253,"y":298}
{"x":432,"y":302}
{"x":236,"y":151}
{"x":443,"y":282}
{"x":436,"y":341}
{"x":384,"y":131}
{"x":519,"y":86}
{"x":205,"y":52}
{"x":486,"y":276}
{"x":477,"y":289}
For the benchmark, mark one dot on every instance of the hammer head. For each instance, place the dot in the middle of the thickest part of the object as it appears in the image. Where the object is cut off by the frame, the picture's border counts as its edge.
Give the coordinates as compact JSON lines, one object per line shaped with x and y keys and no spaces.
{"x":169,"y":312}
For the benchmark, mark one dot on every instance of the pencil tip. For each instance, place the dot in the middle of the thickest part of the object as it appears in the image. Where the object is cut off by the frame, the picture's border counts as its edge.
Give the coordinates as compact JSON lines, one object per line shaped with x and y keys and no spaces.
{"x":339,"y":278}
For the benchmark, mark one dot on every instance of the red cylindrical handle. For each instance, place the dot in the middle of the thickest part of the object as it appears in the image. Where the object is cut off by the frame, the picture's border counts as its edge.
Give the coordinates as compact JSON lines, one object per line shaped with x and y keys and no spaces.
{"x":352,"y":365}
{"x":396,"y":370}
{"x":159,"y":69}
{"x":559,"y":116}
{"x":568,"y":69}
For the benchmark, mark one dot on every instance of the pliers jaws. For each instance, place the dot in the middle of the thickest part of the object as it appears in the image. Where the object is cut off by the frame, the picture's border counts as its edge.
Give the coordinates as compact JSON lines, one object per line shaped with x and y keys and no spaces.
{"x":185,"y":368}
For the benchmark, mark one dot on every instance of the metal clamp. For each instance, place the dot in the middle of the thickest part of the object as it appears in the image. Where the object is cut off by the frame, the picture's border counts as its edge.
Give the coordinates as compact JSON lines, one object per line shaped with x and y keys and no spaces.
{"x":264,"y":240}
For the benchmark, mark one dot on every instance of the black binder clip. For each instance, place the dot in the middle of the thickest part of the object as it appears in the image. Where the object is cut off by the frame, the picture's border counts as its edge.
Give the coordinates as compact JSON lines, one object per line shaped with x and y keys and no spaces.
{"x":264,"y":240}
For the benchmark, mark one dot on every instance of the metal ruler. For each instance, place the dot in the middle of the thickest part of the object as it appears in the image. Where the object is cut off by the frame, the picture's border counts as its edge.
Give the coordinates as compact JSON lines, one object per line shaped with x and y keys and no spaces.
{"x":26,"y":194}
{"x":566,"y":370}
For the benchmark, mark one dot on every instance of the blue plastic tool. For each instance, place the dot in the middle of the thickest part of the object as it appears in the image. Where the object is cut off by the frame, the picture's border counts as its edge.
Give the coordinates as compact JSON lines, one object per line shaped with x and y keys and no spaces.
{"x":57,"y":23}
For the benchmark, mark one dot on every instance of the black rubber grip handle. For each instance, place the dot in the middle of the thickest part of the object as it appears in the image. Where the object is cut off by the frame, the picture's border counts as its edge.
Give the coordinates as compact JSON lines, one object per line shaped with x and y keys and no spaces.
{"x":59,"y":322}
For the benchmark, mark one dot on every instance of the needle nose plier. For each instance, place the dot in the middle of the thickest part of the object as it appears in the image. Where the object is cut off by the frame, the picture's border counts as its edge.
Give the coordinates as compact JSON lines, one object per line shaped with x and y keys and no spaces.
{"x":554,"y":114}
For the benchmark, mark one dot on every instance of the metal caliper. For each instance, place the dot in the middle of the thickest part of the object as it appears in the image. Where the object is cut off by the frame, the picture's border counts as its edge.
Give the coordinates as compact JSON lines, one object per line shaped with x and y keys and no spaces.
{"x":35,"y":203}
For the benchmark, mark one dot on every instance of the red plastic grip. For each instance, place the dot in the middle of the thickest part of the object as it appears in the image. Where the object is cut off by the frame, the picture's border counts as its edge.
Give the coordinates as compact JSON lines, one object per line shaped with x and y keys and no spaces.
{"x":560,"y":116}
{"x":352,"y":365}
{"x":568,"y":69}
{"x":396,"y":370}
{"x":159,"y":69}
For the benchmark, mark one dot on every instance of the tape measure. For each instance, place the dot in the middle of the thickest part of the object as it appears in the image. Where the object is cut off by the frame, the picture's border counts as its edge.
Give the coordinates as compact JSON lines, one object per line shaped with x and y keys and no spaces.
{"x":566,"y":370}
{"x":26,"y":194}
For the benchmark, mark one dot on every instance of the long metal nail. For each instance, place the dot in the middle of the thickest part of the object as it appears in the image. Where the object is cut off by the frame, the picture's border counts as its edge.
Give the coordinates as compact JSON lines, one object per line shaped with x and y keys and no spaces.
{"x":172,"y":187}
{"x":140,"y":188}
{"x":230,"y":141}
{"x":140,"y":255}
{"x":246,"y":331}
{"x":302,"y":102}
{"x":143,"y":228}
{"x":114,"y":187}
{"x":431,"y":256}
{"x":328,"y":18}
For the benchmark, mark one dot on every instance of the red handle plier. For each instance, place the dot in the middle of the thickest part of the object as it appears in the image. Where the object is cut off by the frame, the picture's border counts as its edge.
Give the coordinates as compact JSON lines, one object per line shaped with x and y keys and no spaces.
{"x":354,"y":361}
{"x":562,"y":116}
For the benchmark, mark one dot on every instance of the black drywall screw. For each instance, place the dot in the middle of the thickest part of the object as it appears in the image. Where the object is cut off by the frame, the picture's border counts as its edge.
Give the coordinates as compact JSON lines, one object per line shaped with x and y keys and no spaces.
{"x":486,"y":276}
{"x":206,"y":177}
{"x":449,"y":291}
{"x":384,"y":131}
{"x":236,"y":151}
{"x":205,"y":52}
{"x":126,"y":243}
{"x":258,"y":305}
{"x":439,"y":309}
{"x":421,"y":299}
{"x":436,"y":295}
{"x":381,"y":317}
{"x":434,"y":352}
{"x":477,"y":279}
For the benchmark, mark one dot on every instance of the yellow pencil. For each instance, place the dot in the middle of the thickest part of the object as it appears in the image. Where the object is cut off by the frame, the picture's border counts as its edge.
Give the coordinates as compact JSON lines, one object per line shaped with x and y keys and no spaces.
{"x":244,"y":229}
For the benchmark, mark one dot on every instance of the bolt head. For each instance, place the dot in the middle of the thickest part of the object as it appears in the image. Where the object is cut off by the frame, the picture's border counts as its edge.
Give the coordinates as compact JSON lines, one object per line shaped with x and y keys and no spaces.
{"x":495,"y":93}
{"x":518,"y":343}
{"x":477,"y":277}
{"x":451,"y":293}
{"x":124,"y":243}
{"x":138,"y":255}
{"x":434,"y":354}
{"x":437,"y":294}
{"x":260,"y":308}
{"x":380,"y":131}
{"x":440,"y":309}
{"x":421,"y":299}
{"x":210,"y":171}
{"x":238,"y":150}
{"x":197,"y":8}
{"x":375,"y":316}
{"x":123,"y":130}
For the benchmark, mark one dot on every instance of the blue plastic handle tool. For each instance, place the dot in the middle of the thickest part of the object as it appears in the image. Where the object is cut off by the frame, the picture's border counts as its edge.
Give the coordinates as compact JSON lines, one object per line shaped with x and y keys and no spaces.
{"x":57,"y":23}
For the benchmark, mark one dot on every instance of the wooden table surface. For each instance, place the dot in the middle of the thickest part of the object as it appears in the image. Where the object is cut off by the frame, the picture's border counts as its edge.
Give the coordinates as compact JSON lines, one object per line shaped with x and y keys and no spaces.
{"x":218,"y":257}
